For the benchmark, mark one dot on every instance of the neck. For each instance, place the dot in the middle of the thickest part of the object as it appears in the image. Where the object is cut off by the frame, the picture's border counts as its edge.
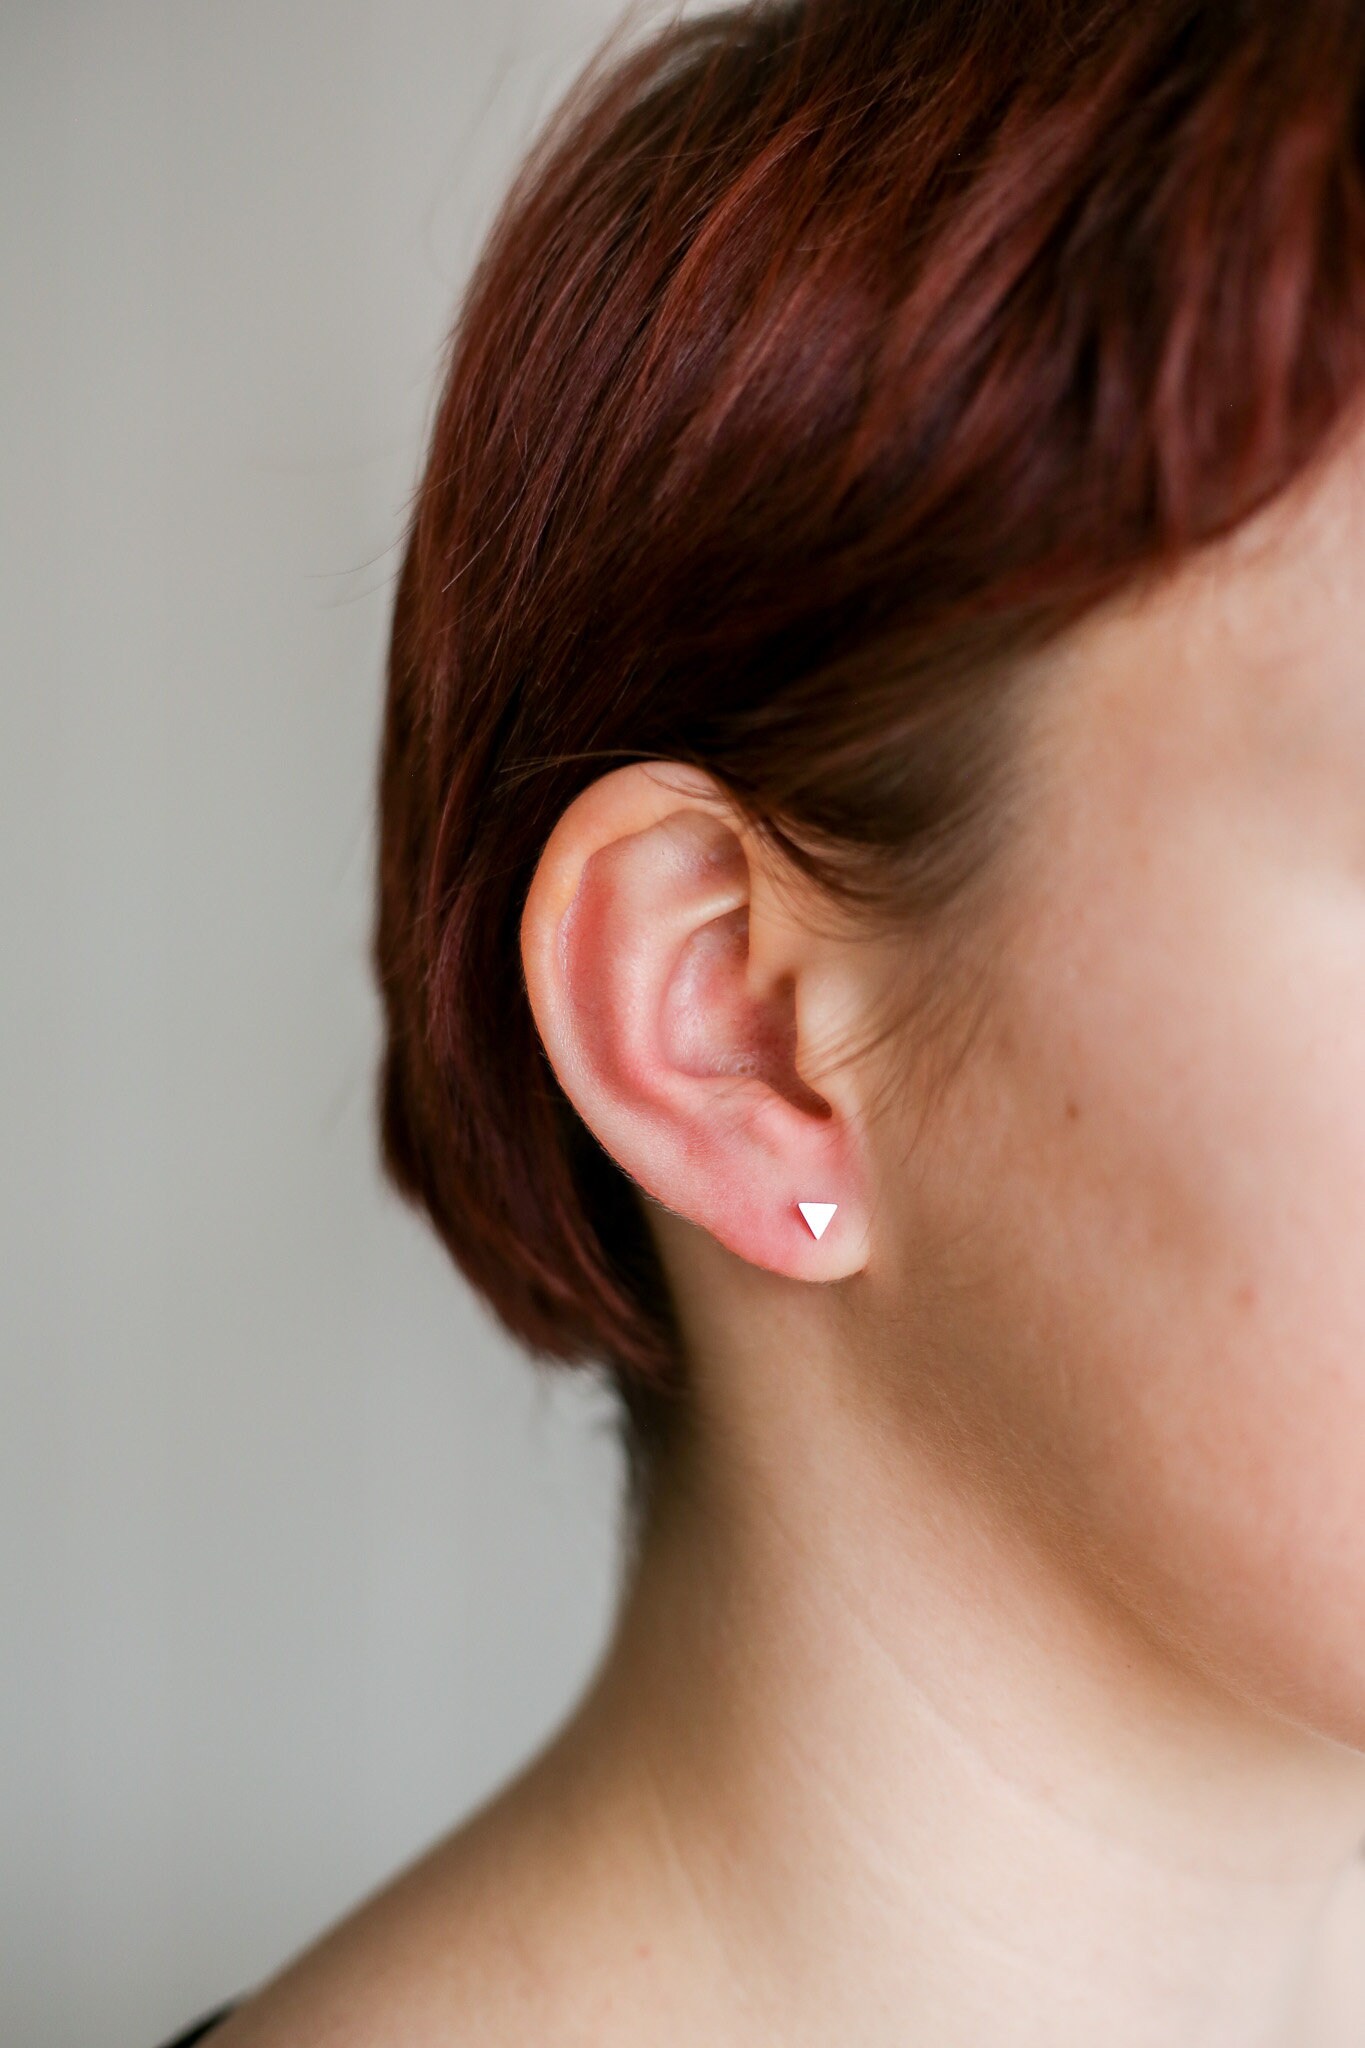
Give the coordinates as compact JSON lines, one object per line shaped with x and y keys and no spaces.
{"x":916,"y":1780}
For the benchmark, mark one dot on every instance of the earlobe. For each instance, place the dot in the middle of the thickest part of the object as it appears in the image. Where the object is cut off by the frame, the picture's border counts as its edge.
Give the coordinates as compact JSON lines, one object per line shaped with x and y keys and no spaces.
{"x":677,"y":1005}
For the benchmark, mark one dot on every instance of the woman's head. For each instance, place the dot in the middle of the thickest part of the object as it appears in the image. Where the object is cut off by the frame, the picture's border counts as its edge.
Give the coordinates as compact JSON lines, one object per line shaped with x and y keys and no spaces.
{"x":931,"y":430}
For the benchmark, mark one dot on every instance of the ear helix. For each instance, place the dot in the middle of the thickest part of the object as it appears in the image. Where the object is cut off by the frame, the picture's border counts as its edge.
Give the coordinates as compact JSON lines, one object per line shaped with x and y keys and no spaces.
{"x":817,"y":1215}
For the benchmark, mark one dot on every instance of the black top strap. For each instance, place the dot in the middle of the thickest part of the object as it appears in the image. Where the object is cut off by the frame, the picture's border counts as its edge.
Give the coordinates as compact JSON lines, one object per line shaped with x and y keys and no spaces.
{"x":200,"y":2028}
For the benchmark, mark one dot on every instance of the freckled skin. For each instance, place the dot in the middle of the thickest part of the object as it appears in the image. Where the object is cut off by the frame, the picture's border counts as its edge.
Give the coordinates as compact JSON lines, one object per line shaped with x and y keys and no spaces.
{"x":1181,"y":951}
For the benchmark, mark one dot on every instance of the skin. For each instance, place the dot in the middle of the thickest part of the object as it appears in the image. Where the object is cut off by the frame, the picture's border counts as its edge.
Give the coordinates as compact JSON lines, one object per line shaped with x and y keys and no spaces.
{"x":994,"y":1668}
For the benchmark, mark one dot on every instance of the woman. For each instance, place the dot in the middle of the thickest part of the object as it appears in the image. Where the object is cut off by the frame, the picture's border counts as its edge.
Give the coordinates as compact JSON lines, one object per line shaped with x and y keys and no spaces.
{"x":872,"y":931}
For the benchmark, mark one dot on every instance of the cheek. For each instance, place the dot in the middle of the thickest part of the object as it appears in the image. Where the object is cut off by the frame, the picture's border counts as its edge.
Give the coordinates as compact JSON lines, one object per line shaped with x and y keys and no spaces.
{"x":1176,"y":1254}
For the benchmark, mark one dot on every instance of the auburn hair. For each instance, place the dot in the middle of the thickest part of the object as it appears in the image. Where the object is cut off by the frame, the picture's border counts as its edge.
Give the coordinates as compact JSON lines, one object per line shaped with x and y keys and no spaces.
{"x":826,"y":358}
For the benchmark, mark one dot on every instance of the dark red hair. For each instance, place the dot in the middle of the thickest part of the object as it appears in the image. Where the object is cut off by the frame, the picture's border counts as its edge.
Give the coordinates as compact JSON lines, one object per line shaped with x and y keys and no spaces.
{"x":825,"y":359}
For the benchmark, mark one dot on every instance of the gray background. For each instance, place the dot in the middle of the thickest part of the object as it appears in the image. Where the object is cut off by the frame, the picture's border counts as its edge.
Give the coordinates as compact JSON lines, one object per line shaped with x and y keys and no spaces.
{"x":299,"y":1557}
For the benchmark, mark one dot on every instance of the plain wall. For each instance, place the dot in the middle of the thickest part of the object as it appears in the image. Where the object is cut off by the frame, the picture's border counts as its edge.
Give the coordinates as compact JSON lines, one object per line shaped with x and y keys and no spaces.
{"x":300,"y":1556}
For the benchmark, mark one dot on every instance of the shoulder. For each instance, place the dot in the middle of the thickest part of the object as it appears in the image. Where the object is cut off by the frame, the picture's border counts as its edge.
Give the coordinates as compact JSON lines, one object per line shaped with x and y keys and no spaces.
{"x":455,"y":1948}
{"x":511,"y":1928}
{"x":376,"y":1976}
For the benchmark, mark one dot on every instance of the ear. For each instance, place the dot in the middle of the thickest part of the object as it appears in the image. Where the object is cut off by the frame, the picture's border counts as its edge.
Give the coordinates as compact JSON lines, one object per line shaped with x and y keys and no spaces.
{"x":684,"y":1007}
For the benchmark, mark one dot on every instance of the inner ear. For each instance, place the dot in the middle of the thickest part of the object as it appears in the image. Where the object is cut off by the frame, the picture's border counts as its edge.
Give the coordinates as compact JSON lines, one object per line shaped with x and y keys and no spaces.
{"x":711,"y":1023}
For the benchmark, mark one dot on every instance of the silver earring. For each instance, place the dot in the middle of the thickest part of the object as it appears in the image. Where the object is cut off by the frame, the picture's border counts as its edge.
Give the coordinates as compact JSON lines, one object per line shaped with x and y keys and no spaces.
{"x":817,"y":1215}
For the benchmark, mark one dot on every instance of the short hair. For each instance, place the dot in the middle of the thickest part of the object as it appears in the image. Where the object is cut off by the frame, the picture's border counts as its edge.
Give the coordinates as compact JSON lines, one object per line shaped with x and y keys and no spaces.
{"x":826,"y":358}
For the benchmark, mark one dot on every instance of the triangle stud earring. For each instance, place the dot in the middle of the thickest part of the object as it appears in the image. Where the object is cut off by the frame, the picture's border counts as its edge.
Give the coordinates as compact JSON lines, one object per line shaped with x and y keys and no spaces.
{"x":817,"y":1215}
